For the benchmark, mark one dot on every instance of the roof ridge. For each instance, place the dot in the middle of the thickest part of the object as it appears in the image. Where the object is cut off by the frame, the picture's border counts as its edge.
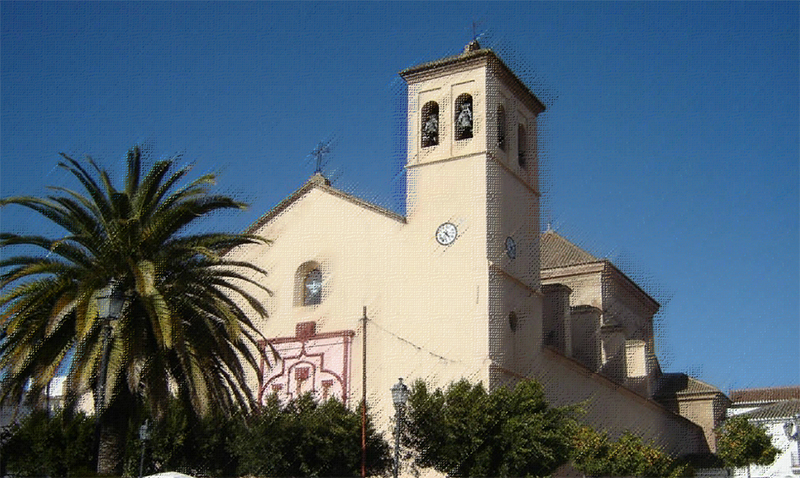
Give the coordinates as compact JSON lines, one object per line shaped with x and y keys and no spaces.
{"x":779,"y":387}
{"x":704,"y":383}
{"x":779,"y":409}
{"x":765,"y":394}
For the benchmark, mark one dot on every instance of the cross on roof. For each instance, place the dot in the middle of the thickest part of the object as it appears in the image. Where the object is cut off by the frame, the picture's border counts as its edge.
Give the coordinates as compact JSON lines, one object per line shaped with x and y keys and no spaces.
{"x":321,"y":150}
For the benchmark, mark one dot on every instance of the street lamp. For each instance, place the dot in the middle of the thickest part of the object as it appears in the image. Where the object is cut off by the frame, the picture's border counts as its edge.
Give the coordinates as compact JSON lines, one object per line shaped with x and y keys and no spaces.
{"x":399,"y":397}
{"x":792,"y":430}
{"x":109,"y":308}
{"x":144,"y":435}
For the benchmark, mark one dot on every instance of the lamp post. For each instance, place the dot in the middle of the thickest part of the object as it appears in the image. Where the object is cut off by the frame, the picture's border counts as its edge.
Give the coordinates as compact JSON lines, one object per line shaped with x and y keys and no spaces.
{"x":144,"y":435}
{"x":399,"y":398}
{"x":109,"y":308}
{"x":792,"y":430}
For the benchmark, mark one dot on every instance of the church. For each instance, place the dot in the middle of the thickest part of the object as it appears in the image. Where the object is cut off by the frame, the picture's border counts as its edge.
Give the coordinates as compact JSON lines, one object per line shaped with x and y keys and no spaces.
{"x":465,"y":284}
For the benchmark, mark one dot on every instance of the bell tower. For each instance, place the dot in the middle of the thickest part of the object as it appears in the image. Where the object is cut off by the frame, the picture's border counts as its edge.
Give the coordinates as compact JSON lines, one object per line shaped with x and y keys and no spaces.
{"x":471,"y":104}
{"x":472,"y":171}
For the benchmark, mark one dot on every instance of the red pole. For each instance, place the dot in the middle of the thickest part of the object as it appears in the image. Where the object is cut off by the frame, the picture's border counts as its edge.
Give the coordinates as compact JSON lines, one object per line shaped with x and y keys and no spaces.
{"x":364,"y":396}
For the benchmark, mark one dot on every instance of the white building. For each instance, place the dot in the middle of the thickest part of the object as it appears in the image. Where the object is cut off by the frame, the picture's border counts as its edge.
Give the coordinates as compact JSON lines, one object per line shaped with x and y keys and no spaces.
{"x":54,"y":401}
{"x":778,"y":411}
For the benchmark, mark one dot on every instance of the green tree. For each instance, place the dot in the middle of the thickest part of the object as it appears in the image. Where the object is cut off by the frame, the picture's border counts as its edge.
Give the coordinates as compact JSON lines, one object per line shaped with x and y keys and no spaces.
{"x":182,"y":441}
{"x":741,"y":443}
{"x":302,"y":438}
{"x":595,"y":455}
{"x":467,"y":431}
{"x":184,"y":328}
{"x":306,"y":438}
{"x":41,"y":445}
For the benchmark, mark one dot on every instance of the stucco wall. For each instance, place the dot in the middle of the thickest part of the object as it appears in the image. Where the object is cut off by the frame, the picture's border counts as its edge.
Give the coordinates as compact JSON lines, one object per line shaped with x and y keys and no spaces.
{"x":615,"y":409}
{"x":703,"y":410}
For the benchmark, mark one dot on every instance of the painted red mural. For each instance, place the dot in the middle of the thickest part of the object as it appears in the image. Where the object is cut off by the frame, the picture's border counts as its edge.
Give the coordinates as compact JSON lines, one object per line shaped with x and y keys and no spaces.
{"x":307,"y":363}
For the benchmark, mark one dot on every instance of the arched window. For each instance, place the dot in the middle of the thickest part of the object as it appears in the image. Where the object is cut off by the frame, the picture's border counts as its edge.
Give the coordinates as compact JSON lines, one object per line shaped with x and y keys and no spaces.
{"x":430,"y":124}
{"x":463,"y":113}
{"x":501,"y":127}
{"x":312,"y":287}
{"x":522,"y":147}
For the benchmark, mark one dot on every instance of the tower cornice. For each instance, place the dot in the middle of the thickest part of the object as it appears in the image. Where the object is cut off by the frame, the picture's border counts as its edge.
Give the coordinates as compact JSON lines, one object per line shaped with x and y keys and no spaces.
{"x":469,"y":60}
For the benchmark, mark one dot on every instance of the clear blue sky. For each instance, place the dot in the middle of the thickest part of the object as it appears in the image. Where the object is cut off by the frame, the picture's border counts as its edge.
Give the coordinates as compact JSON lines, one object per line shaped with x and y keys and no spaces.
{"x":670,"y":142}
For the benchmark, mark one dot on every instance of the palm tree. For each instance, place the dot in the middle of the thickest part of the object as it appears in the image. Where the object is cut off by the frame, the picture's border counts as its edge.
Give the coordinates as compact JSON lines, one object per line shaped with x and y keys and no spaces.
{"x":185,"y":329}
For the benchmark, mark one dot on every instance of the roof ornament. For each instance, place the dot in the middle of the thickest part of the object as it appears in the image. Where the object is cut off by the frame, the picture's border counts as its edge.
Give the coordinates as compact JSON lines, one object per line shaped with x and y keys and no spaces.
{"x":473,"y":45}
{"x":323,"y":148}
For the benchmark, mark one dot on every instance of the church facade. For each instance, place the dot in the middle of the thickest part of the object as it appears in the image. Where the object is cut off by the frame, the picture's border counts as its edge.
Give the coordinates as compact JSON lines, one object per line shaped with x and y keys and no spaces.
{"x":465,"y":285}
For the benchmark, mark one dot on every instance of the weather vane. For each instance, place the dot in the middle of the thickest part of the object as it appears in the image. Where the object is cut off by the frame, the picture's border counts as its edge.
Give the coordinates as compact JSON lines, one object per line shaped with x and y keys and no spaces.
{"x":319,"y":152}
{"x":475,"y":25}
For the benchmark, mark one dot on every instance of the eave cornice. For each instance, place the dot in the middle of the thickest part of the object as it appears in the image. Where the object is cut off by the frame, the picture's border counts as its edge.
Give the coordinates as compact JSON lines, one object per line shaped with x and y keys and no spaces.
{"x":606,"y":268}
{"x":469,"y":60}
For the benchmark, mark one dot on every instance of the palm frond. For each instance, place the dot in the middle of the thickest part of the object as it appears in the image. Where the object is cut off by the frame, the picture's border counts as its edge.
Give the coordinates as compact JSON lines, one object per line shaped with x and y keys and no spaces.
{"x":187,"y":326}
{"x":147,"y":198}
{"x":29,"y":267}
{"x":96,"y":193}
{"x":90,"y":208}
{"x":62,"y":247}
{"x":134,"y":163}
{"x":46,"y":207}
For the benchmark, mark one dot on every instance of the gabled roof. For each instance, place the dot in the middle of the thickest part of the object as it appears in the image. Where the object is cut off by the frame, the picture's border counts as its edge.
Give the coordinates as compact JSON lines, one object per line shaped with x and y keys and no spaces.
{"x":672,"y":384}
{"x":771,"y":394}
{"x":318,"y":181}
{"x":559,"y":252}
{"x":558,"y":255}
{"x":782,"y":409}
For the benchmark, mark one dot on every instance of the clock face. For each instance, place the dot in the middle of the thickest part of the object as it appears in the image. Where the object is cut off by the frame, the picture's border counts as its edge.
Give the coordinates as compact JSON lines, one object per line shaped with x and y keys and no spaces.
{"x":511,"y":248}
{"x":446,"y":234}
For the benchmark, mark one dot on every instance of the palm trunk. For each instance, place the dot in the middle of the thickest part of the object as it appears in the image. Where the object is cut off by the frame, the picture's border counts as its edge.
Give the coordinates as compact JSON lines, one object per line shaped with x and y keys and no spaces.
{"x":113,"y":434}
{"x":110,"y":452}
{"x":111,"y":449}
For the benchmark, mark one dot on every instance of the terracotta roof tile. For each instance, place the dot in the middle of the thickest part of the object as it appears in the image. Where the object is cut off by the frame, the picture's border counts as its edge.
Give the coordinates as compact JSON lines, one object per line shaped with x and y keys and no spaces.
{"x":772,"y":394}
{"x":559,"y":252}
{"x":782,"y":409}
{"x":671,"y":384}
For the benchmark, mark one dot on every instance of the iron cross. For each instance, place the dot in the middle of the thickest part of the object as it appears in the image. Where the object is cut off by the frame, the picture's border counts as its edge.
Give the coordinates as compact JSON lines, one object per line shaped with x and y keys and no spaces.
{"x":321,"y":150}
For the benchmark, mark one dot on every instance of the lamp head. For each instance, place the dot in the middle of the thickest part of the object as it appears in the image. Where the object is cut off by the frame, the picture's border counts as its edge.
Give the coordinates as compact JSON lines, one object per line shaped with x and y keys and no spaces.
{"x":399,"y":394}
{"x":792,"y":429}
{"x":111,"y":301}
{"x":144,"y":431}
